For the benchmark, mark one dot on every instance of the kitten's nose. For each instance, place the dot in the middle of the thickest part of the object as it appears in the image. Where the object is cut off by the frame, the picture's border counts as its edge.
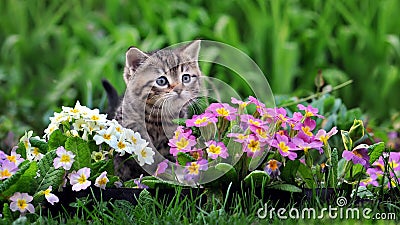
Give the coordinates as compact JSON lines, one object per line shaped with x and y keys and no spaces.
{"x":178,"y":89}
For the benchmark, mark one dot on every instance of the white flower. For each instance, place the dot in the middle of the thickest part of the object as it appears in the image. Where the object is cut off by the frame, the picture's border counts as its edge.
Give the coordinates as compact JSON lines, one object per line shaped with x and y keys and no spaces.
{"x":145,"y":155}
{"x":79,"y":180}
{"x":135,"y":139}
{"x":65,"y":159}
{"x":33,"y":154}
{"x":102,"y":180}
{"x":50,"y":197}
{"x":122,"y":146}
{"x":106,"y":136}
{"x":20,"y":202}
{"x":79,"y":124}
{"x":50,"y":129}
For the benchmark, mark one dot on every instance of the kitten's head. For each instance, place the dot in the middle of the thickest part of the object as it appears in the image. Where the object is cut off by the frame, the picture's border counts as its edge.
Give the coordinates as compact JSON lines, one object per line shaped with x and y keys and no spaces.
{"x":167,"y":79}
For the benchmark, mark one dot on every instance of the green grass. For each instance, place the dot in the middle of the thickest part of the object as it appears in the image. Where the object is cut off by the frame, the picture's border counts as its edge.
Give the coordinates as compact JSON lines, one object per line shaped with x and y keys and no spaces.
{"x":237,"y":209}
{"x":53,"y":53}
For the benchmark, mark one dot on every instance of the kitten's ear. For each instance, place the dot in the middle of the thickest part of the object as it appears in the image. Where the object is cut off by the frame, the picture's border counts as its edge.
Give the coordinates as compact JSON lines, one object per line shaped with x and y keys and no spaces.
{"x":134,"y":57}
{"x":192,"y":50}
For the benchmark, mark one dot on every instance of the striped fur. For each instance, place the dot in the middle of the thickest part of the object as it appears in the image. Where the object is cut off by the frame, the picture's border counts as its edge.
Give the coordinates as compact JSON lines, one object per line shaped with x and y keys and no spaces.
{"x":150,"y":108}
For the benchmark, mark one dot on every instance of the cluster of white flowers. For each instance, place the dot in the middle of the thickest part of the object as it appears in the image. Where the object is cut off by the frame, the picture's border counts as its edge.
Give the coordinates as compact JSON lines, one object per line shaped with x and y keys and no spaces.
{"x":32,"y":153}
{"x":87,"y":124}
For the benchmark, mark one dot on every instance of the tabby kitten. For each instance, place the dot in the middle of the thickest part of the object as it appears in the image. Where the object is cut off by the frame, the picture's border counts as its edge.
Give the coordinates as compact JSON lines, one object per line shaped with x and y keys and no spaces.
{"x":159,"y":87}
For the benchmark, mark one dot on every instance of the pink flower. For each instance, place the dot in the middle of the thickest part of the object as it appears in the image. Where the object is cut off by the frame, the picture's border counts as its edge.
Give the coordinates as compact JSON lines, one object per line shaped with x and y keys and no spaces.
{"x":197,"y":154}
{"x":182,"y":143}
{"x":284,"y":146}
{"x":309,"y":111}
{"x":50,"y":197}
{"x":359,"y":155}
{"x":241,"y":104}
{"x":259,"y":105}
{"x":79,"y":180}
{"x":296,"y":119}
{"x":324,"y":137}
{"x":102,"y":180}
{"x":222,"y":110}
{"x":306,"y":127}
{"x":201,"y":120}
{"x":253,"y":146}
{"x":193,"y":169}
{"x":250,"y":121}
{"x":372,"y":179}
{"x":240,"y":138}
{"x":7,"y":169}
{"x":65,"y":159}
{"x":280,"y":115}
{"x":216,"y":149}
{"x":305,"y":146}
{"x":21,"y":202}
{"x":161,"y":167}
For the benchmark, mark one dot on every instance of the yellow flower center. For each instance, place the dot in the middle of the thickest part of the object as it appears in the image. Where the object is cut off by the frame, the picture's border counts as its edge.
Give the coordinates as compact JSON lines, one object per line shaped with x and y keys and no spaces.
{"x":255,"y":123}
{"x":36,"y":151}
{"x":21,"y":203}
{"x":82,"y":179}
{"x":182,"y":143}
{"x":5,"y":173}
{"x":65,"y":158}
{"x":254,"y":145}
{"x":214,"y":149}
{"x":273,"y":164}
{"x":107,"y":136}
{"x":121,"y":145}
{"x":118,"y":129}
{"x":324,"y":139}
{"x":143,"y":153}
{"x":95,"y":117}
{"x":134,"y":140}
{"x":393,"y":164}
{"x":12,"y":158}
{"x":309,"y":114}
{"x":283,"y":146}
{"x":46,"y":192}
{"x":200,"y":120}
{"x":196,"y":155}
{"x":74,"y":110}
{"x":307,"y":131}
{"x":102,"y":181}
{"x":261,"y":133}
{"x":222,"y":112}
{"x":194,"y":168}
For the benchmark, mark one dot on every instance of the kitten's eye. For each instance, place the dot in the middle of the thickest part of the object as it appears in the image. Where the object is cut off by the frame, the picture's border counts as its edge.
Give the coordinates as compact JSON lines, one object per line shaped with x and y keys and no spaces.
{"x":186,"y":78}
{"x":162,"y":81}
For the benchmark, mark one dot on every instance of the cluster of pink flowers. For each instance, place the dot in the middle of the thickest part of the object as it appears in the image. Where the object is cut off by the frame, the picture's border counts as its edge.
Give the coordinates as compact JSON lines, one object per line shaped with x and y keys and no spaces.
{"x":387,"y":165}
{"x":267,"y":128}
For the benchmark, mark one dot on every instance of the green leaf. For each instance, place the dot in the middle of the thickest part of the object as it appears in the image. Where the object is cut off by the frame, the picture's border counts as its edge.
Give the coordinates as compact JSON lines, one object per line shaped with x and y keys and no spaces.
{"x":101,"y":166}
{"x":257,"y":177}
{"x":228,"y":170}
{"x":333,"y":170}
{"x":285,"y":187}
{"x":42,"y":145}
{"x":7,"y":215}
{"x":347,"y":142}
{"x":25,"y":182}
{"x":47,"y":174}
{"x":180,"y":121}
{"x":21,"y":150}
{"x":290,"y":170}
{"x":184,"y":158}
{"x":306,"y":175}
{"x":152,"y":182}
{"x":375,"y":151}
{"x":56,"y":139}
{"x":356,"y":130}
{"x":81,"y":151}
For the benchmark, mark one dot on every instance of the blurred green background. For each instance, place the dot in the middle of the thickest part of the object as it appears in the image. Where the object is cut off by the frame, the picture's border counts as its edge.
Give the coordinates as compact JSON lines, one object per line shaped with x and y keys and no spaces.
{"x":53,"y":53}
